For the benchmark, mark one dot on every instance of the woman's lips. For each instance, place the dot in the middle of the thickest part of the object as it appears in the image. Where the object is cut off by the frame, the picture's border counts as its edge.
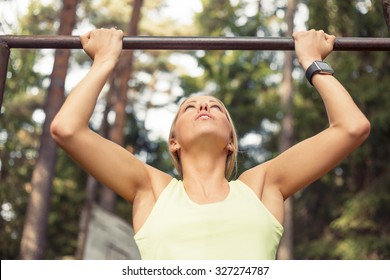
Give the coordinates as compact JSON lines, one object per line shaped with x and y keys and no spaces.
{"x":203,"y":116}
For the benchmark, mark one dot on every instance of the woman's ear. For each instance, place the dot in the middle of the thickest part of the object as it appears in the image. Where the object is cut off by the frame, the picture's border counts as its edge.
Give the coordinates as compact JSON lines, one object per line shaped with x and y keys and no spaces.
{"x":230,"y":148}
{"x":173,"y":145}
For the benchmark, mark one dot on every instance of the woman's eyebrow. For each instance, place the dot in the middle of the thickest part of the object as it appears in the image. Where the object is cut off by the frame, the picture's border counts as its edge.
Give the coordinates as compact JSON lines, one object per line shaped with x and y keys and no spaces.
{"x":187,"y":102}
{"x":195,"y":101}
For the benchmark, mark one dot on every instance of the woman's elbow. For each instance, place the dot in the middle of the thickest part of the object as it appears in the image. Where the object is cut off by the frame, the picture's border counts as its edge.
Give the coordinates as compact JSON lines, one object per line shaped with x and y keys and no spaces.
{"x":56,"y":131}
{"x":360,"y":130}
{"x":60,"y":131}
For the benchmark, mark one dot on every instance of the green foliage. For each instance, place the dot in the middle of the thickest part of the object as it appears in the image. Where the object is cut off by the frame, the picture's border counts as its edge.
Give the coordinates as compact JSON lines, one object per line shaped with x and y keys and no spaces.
{"x":342,"y":216}
{"x":18,"y":154}
{"x":41,"y":19}
{"x":351,"y":204}
{"x":67,"y":201}
{"x":20,"y":128}
{"x":19,"y":141}
{"x":107,"y":13}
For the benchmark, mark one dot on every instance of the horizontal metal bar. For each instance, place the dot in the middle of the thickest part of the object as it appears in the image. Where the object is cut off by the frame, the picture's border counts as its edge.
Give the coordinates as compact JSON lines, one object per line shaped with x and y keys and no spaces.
{"x":193,"y":43}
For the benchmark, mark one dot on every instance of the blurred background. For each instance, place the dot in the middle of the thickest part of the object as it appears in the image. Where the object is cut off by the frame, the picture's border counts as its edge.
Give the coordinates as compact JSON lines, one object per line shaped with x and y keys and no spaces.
{"x":51,"y":209}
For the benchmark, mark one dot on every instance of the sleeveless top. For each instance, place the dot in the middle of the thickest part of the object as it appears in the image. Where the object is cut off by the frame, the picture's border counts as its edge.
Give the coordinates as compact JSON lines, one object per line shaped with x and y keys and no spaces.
{"x":239,"y":227}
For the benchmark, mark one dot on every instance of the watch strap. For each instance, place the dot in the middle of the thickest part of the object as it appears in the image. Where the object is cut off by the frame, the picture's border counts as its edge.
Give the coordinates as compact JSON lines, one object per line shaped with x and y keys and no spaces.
{"x":317,"y":67}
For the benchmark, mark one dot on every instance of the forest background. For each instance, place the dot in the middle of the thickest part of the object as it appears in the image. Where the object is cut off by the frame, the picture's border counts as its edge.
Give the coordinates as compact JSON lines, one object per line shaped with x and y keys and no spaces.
{"x":344,"y":215}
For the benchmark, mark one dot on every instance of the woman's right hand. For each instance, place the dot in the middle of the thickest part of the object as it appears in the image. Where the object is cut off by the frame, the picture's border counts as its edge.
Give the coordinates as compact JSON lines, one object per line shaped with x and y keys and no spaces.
{"x":103,"y":45}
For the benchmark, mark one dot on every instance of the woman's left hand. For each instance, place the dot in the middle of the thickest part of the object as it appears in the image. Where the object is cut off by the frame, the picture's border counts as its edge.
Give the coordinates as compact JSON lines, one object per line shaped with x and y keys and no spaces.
{"x":312,"y":45}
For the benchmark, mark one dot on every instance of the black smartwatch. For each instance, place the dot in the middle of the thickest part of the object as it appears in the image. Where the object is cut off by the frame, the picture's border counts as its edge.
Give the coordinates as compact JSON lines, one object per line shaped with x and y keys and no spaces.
{"x":318,"y":67}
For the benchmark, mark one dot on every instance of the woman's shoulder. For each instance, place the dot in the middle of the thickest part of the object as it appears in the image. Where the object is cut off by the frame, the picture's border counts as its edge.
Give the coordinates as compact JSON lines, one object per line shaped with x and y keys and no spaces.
{"x":270,"y":197}
{"x":158,"y":180}
{"x":254,"y":178}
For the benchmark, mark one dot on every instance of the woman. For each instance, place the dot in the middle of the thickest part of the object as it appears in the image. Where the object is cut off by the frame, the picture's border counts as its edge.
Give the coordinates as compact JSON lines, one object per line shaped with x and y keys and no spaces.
{"x":205,"y":216}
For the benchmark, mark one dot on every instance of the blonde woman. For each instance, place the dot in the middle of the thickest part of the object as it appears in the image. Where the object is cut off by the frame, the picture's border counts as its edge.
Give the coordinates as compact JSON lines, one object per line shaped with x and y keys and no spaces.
{"x":202,"y":214}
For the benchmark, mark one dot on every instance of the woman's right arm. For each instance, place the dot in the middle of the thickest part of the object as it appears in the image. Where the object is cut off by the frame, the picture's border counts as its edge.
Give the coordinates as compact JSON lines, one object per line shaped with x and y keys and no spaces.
{"x":108,"y":162}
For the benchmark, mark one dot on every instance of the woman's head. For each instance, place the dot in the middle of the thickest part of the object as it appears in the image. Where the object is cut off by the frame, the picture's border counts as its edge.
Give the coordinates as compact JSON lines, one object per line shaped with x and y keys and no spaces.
{"x":203,"y":107}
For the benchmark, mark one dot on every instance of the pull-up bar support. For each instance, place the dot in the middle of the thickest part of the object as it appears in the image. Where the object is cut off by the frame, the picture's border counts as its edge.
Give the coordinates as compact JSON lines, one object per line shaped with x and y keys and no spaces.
{"x":194,"y":43}
{"x":4,"y":57}
{"x":177,"y":43}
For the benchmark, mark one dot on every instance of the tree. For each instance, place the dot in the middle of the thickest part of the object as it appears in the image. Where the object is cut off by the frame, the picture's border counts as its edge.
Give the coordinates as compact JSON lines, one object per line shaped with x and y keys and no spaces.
{"x":386,"y":12}
{"x":119,"y":94}
{"x":21,"y":125}
{"x":286,"y":137}
{"x":348,"y":209}
{"x":35,"y":227}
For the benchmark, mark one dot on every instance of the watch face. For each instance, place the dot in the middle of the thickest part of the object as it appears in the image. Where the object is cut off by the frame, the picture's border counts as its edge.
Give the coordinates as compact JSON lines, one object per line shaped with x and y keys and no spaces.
{"x":324,"y":66}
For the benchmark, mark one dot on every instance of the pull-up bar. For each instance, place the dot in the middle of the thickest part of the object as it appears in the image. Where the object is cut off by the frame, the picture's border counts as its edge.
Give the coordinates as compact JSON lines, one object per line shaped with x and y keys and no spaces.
{"x":194,"y":43}
{"x":177,"y":43}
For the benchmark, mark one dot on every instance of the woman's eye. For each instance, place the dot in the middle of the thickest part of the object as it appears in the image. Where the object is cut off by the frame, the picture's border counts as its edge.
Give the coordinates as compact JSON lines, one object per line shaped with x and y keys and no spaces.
{"x":216,"y":107}
{"x":189,"y":107}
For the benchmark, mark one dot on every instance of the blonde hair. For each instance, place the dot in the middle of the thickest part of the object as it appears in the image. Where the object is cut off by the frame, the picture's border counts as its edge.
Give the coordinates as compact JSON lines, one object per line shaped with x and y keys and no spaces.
{"x":231,"y":160}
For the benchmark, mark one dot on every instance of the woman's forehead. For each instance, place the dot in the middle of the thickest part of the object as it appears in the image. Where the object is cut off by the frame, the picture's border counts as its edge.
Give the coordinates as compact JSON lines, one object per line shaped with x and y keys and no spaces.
{"x":202,"y":98}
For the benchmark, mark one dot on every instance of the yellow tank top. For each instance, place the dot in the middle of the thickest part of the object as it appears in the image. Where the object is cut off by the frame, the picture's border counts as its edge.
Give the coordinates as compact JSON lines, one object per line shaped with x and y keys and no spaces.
{"x":240,"y":227}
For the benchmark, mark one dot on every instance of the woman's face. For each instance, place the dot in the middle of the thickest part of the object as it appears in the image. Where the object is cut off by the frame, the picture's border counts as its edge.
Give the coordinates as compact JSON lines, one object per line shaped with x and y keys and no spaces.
{"x":205,"y":117}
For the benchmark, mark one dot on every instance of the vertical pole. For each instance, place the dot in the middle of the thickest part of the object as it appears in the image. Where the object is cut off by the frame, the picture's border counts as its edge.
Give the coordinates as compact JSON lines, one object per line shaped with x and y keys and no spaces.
{"x":4,"y":56}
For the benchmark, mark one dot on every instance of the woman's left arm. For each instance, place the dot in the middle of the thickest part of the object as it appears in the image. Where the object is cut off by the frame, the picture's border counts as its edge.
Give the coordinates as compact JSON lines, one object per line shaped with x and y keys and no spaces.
{"x":310,"y":159}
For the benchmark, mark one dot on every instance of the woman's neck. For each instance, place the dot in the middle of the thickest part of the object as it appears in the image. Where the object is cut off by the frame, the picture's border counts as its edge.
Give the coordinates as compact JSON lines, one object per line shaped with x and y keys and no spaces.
{"x":204,"y":176}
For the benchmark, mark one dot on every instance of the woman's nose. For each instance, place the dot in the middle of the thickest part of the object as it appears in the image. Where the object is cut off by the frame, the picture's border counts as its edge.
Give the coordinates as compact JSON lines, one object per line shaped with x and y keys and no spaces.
{"x":204,"y":106}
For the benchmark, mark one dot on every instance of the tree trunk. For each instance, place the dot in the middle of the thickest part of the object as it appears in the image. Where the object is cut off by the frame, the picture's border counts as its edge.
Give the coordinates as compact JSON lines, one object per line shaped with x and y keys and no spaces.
{"x":92,"y":186}
{"x":124,"y":72}
{"x":287,"y":132}
{"x":386,"y":12}
{"x":35,"y":227}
